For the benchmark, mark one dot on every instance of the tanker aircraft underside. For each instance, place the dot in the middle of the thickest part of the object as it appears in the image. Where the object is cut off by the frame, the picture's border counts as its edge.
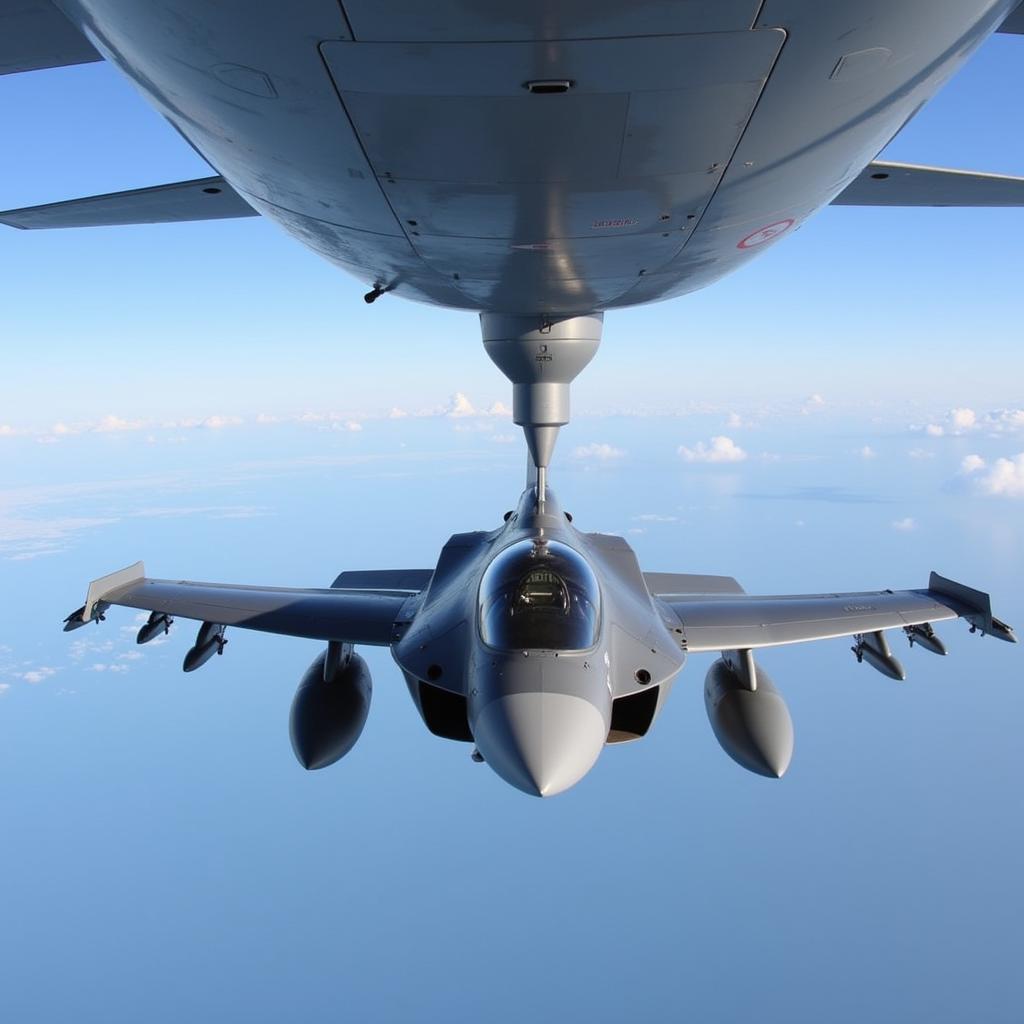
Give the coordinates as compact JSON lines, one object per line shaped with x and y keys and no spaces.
{"x":538,"y":162}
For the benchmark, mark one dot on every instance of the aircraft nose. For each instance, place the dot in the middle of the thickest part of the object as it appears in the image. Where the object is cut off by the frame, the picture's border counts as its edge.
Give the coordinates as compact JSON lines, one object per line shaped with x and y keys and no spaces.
{"x":541,"y":743}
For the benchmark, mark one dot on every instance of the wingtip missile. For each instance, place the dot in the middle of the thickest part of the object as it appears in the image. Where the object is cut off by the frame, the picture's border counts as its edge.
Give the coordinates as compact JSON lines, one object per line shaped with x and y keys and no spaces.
{"x":78,"y":618}
{"x":1002,"y":631}
{"x":75,"y":620}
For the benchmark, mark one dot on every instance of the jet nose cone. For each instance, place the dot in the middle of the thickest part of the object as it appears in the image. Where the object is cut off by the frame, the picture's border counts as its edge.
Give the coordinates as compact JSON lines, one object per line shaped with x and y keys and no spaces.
{"x":541,"y":743}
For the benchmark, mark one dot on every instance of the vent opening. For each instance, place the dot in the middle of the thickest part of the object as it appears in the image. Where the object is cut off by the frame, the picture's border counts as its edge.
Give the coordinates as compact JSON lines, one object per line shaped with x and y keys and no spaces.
{"x":632,"y":715}
{"x":548,"y":86}
{"x":445,"y":713}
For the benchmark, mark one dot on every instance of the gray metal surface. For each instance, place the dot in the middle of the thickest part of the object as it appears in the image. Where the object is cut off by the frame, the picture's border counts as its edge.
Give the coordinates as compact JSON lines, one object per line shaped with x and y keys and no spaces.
{"x":1014,"y":23}
{"x":673,"y":584}
{"x":541,"y":357}
{"x":890,"y":184}
{"x":200,"y":199}
{"x":328,"y":714}
{"x":355,"y":616}
{"x":541,"y":743}
{"x":400,"y":143}
{"x":722,"y":622}
{"x":752,"y":726}
{"x":35,"y":35}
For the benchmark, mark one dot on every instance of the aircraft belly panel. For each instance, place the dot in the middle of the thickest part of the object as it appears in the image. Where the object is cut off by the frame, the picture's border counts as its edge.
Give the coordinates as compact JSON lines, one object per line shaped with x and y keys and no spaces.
{"x":849,"y":78}
{"x":373,"y":258}
{"x":539,"y":210}
{"x":516,"y":138}
{"x":456,"y":21}
{"x":551,"y":202}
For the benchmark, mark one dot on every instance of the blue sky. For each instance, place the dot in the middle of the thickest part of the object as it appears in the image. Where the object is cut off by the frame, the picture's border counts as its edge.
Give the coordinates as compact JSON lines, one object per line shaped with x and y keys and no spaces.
{"x":843,"y":414}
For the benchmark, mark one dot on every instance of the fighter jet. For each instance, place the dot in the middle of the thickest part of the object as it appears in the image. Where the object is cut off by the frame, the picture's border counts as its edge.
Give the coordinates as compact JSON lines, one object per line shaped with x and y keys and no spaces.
{"x":537,"y":162}
{"x":540,"y":644}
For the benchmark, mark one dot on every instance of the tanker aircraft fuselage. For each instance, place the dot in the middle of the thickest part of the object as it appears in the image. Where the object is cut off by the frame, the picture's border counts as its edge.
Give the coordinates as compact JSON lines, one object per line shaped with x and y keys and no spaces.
{"x":546,"y":157}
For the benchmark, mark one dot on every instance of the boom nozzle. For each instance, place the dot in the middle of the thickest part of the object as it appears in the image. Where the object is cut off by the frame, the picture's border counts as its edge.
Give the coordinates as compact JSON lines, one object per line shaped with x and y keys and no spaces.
{"x":541,"y":356}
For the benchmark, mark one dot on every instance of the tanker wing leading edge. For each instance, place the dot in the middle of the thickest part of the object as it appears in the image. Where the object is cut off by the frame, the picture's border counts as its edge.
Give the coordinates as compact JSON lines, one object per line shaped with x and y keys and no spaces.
{"x":881,"y":183}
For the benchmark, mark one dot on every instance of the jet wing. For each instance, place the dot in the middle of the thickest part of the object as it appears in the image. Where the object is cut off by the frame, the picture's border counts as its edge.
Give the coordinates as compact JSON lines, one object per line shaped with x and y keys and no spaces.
{"x":355,"y":615}
{"x":891,"y":184}
{"x":722,"y":622}
{"x":199,"y":199}
{"x":35,"y":35}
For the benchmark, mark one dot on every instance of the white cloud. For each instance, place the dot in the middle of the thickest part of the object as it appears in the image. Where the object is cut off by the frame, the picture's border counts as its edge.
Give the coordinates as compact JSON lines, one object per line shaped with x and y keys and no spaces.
{"x":721,"y":449}
{"x":867,"y":452}
{"x":4,"y":687}
{"x":905,"y":525}
{"x":218,"y":422}
{"x":1005,"y":421}
{"x":352,"y":426}
{"x":963,"y":420}
{"x":812,"y":403}
{"x":972,"y":464}
{"x":597,"y":450}
{"x":735,"y":421}
{"x":81,"y":647}
{"x":458,"y":406}
{"x":37,"y":675}
{"x":397,"y":414}
{"x":920,"y":453}
{"x":8,"y":431}
{"x":504,"y":438}
{"x":113,"y":424}
{"x":1005,"y":478}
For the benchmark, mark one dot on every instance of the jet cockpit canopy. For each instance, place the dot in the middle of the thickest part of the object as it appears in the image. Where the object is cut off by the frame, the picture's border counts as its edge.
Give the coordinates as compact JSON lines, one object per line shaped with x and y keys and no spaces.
{"x":539,"y":595}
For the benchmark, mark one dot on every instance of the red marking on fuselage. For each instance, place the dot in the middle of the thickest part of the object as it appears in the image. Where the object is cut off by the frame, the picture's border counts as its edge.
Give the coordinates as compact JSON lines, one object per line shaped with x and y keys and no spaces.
{"x":765,"y":234}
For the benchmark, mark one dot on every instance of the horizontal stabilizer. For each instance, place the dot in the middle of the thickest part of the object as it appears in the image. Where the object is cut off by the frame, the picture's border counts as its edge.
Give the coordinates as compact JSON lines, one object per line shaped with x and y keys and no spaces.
{"x":201,"y":199}
{"x":409,"y":581}
{"x":670,"y":584}
{"x":889,"y":184}
{"x":35,"y":35}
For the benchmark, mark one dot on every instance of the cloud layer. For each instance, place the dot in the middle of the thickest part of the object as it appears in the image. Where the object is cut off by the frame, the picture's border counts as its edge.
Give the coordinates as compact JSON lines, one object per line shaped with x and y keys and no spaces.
{"x":1003,"y":478}
{"x":718,"y":449}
